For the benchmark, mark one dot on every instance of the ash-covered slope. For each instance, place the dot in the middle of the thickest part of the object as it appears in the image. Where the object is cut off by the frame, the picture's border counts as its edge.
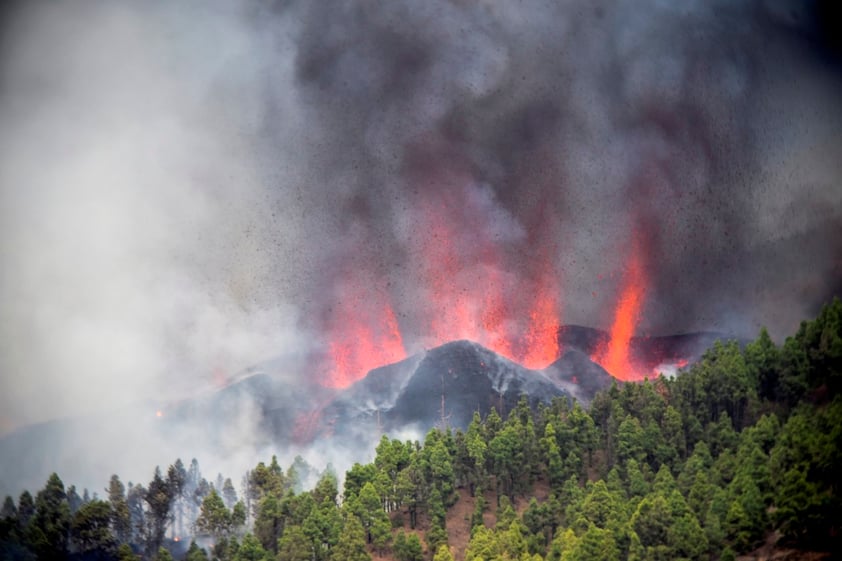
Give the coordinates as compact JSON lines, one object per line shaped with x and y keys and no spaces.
{"x":445,"y":384}
{"x":270,"y":404}
{"x":576,"y":372}
{"x":471,"y":378}
{"x":408,"y":394}
{"x":269,"y":409}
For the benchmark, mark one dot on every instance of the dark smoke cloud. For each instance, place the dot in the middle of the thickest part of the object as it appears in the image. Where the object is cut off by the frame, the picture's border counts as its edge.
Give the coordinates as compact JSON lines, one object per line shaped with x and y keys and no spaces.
{"x":709,"y":131}
{"x":189,"y":188}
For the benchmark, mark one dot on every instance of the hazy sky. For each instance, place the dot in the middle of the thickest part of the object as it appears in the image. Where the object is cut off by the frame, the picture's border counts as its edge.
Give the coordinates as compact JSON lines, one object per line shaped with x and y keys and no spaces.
{"x":182,"y":184}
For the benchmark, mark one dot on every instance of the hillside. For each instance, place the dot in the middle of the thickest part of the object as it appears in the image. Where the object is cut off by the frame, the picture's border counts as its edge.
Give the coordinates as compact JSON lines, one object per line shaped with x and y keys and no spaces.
{"x":735,"y":458}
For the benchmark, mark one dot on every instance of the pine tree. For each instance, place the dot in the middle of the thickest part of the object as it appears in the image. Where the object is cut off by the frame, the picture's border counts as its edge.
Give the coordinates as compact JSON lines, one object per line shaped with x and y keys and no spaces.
{"x":91,"y":531}
{"x":268,"y":524}
{"x":687,"y":539}
{"x":124,"y":553}
{"x":214,"y":519}
{"x":196,"y":553}
{"x":159,"y":498}
{"x":48,"y":531}
{"x":479,"y":509}
{"x":229,"y":494}
{"x":251,"y":550}
{"x":443,"y":554}
{"x":294,"y":545}
{"x":26,"y":509}
{"x":351,"y":544}
{"x":408,"y":548}
{"x":637,"y":485}
{"x":120,"y":518}
{"x":9,"y":510}
{"x":595,"y":545}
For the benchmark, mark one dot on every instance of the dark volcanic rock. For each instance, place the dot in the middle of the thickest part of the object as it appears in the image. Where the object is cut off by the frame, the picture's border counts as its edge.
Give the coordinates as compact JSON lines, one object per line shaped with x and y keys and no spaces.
{"x":471,"y":378}
{"x":408,"y":394}
{"x":580,"y":374}
{"x":580,"y":338}
{"x":648,"y":352}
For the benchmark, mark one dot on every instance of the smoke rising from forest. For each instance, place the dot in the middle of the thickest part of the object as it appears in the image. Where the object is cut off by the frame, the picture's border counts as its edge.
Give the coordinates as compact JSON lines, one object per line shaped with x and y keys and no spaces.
{"x":191,"y":188}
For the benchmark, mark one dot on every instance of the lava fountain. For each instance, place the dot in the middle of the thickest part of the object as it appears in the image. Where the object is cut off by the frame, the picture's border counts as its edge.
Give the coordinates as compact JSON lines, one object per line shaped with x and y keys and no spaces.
{"x":615,"y":355}
{"x":364,"y":334}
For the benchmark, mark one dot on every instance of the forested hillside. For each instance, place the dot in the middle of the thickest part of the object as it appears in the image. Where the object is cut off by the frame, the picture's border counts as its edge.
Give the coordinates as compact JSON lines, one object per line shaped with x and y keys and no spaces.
{"x":741,"y":451}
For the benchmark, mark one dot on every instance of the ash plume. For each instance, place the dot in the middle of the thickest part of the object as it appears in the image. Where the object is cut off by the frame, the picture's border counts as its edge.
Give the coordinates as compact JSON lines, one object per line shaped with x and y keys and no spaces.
{"x":588,"y":123}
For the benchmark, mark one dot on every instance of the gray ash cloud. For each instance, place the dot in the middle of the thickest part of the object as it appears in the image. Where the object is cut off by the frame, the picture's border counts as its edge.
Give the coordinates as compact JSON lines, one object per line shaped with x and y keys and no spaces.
{"x":709,"y":130}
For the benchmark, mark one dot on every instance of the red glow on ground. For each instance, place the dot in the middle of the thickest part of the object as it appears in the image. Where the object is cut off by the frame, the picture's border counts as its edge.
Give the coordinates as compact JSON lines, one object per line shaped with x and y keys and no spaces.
{"x":469,"y":282}
{"x":615,"y":355}
{"x":307,"y":424}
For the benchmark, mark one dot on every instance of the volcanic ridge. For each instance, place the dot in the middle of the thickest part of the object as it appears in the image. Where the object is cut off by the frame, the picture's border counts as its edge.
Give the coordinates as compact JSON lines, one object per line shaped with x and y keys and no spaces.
{"x":441,"y":386}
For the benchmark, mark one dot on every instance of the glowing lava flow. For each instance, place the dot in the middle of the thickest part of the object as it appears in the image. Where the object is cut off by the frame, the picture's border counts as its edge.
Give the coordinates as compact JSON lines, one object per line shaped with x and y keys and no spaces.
{"x":614,"y":356}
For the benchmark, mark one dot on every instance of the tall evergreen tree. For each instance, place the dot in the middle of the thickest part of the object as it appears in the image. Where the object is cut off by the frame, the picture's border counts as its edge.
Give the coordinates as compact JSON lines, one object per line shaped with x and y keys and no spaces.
{"x":351,"y":544}
{"x":159,"y":497}
{"x":49,"y":530}
{"x":120,"y":515}
{"x":91,"y":530}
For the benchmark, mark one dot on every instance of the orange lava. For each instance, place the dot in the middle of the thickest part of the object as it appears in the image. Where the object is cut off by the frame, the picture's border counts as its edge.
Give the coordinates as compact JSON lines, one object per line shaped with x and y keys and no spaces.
{"x":541,"y":347}
{"x":468,"y":294}
{"x":615,"y":355}
{"x":493,"y":316}
{"x":539,"y":344}
{"x":364,"y":335}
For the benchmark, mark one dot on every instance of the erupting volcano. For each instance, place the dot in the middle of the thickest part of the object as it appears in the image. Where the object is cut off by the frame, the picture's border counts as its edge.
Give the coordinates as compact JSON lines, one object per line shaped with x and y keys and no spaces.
{"x":469,"y":281}
{"x":464,"y":185}
{"x":468,"y":292}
